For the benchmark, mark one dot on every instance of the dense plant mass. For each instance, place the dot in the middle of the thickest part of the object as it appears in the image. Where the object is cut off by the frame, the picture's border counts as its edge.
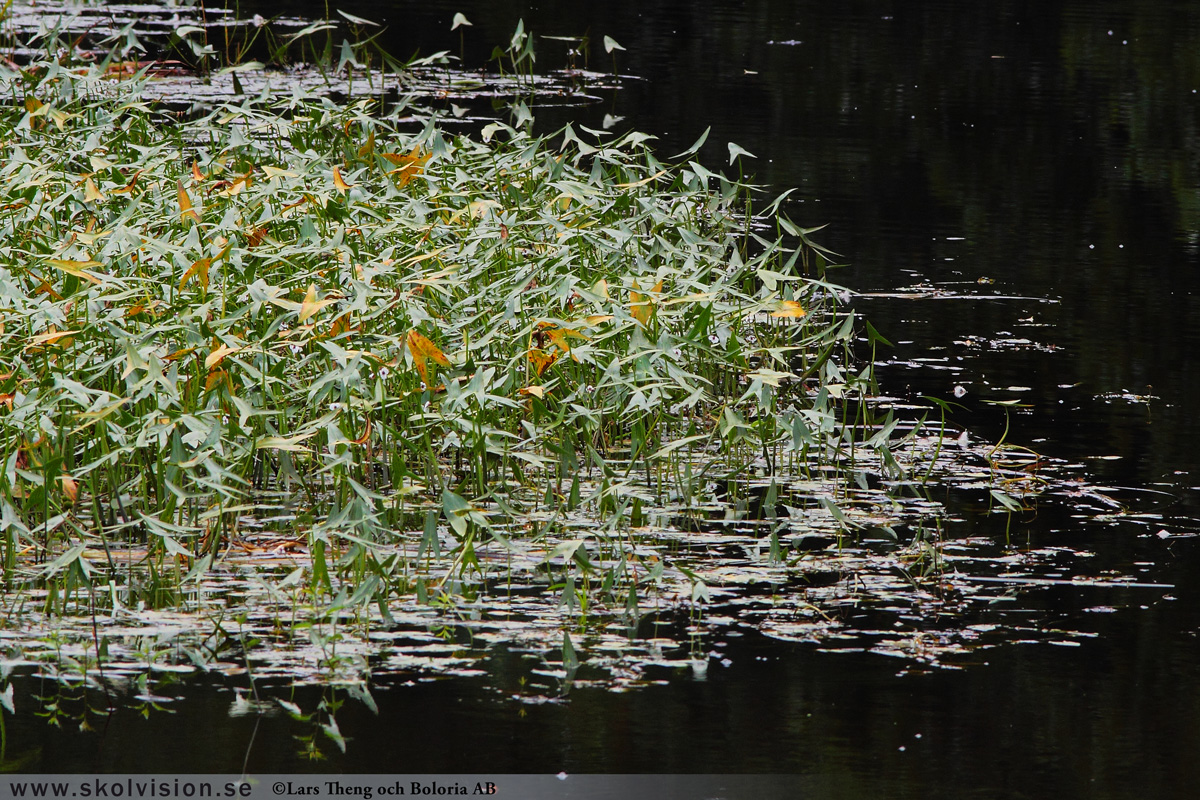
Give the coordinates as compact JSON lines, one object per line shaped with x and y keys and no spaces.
{"x":293,"y":305}
{"x":283,"y":374}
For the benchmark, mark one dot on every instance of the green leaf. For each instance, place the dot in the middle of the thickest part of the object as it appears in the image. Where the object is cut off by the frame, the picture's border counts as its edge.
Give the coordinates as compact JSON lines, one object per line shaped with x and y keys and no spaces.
{"x":736,"y":150}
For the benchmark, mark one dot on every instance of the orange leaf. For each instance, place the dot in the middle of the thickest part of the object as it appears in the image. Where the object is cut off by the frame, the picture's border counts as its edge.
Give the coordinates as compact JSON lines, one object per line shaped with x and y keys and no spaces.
{"x":789,"y":308}
{"x":185,"y":203}
{"x":128,"y":188}
{"x":339,"y":182}
{"x":422,"y":349}
{"x":641,"y":306}
{"x":69,"y":486}
{"x":559,"y":337}
{"x":366,"y":434}
{"x":541,"y":361}
{"x":197,"y":175}
{"x":198,"y":270}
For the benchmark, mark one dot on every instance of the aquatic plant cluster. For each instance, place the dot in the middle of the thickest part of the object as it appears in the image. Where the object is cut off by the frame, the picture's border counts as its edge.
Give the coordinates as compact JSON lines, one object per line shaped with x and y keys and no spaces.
{"x":294,"y":311}
{"x":299,"y":389}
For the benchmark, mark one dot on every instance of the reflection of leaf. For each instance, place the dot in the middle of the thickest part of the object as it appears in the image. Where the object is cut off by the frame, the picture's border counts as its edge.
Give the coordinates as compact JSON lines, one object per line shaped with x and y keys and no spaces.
{"x":789,"y":308}
{"x":422,"y":350}
{"x":541,"y":360}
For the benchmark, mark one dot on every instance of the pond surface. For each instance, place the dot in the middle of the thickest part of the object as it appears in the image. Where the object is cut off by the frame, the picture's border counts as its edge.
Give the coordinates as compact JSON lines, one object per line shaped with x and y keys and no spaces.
{"x":1015,"y":187}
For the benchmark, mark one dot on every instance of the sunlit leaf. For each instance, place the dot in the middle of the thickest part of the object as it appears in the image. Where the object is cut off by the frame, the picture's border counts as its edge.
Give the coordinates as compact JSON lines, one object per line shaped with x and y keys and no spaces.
{"x":51,"y":336}
{"x":218,"y":355}
{"x":459,"y":20}
{"x":789,"y":309}
{"x":76,"y":268}
{"x":537,"y":391}
{"x":291,"y":443}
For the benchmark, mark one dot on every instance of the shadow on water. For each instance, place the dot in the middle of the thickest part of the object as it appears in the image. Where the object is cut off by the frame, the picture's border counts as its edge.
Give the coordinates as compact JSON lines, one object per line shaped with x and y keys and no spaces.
{"x":1016,"y":188}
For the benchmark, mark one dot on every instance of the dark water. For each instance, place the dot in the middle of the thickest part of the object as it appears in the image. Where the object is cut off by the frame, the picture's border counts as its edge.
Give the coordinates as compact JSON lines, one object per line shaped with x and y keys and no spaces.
{"x":1051,"y":149}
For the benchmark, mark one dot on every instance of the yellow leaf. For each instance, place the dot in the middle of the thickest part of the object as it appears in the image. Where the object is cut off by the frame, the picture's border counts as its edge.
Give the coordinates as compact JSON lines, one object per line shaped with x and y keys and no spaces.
{"x":559,"y":337}
{"x":422,"y":349}
{"x":369,"y":147}
{"x":641,"y":306}
{"x":789,"y":308}
{"x":311,"y":305}
{"x":185,"y":204}
{"x":218,"y":355}
{"x":197,"y":175}
{"x":276,"y":172}
{"x":642,"y":182}
{"x":598,"y":319}
{"x":339,"y":182}
{"x":90,"y":192}
{"x":601,"y":288}
{"x":541,"y":361}
{"x":52,"y":336}
{"x":409,"y":166}
{"x":199,"y":271}
{"x":75,"y":268}
{"x":536,"y":391}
